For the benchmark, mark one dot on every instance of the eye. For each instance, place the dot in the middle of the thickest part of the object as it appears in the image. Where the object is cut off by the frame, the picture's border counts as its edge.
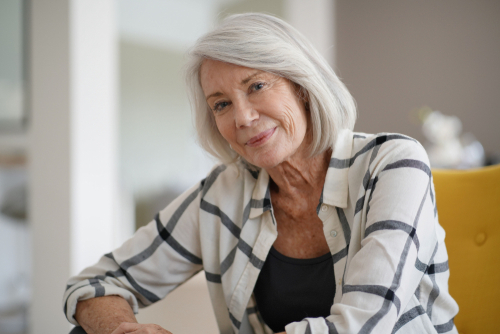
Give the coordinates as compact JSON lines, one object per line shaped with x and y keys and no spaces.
{"x":257,"y":86}
{"x":219,"y":106}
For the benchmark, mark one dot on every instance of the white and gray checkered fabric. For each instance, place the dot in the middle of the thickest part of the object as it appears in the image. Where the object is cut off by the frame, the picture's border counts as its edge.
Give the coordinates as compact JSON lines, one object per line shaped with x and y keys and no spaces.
{"x":380,"y":222}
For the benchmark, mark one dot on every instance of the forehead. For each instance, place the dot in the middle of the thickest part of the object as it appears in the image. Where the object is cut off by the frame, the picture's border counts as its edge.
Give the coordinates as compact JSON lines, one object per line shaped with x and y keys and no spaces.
{"x":214,"y":73}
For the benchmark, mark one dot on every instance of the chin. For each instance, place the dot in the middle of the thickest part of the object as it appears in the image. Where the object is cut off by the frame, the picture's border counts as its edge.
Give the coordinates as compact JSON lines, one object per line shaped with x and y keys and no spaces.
{"x":266,"y":165}
{"x":267,"y":160}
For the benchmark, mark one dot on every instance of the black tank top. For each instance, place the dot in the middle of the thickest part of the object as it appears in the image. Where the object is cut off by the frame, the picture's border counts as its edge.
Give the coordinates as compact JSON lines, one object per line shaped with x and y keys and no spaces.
{"x":290,"y":289}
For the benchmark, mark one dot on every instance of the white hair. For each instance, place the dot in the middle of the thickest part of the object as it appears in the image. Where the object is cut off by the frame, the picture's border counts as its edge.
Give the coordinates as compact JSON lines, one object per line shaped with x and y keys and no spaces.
{"x":266,"y":43}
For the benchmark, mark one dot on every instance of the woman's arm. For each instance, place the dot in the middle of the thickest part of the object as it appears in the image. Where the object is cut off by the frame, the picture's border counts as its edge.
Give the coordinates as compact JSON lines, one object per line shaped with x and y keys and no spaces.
{"x":159,"y":257}
{"x":103,"y":315}
{"x":111,"y":315}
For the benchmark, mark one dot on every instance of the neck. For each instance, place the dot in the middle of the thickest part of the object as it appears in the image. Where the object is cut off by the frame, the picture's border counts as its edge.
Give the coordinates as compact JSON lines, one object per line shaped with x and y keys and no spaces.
{"x":299,"y":173}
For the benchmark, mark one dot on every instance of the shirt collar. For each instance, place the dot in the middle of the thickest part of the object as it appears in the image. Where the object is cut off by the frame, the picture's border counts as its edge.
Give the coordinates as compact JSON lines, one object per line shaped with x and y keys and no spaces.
{"x":335,"y":190}
{"x":261,"y":197}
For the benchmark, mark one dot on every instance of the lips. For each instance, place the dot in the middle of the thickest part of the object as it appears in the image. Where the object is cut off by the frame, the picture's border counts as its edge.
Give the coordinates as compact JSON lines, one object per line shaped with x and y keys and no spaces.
{"x":261,"y":138}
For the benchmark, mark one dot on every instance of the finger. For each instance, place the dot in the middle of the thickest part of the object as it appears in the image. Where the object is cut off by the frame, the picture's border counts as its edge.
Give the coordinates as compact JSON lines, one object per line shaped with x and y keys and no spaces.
{"x":126,"y":327}
{"x":134,"y":328}
{"x":156,"y":329}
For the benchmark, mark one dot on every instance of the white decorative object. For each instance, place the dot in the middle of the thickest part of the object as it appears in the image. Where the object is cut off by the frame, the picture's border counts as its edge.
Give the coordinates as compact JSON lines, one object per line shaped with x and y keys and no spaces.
{"x":447,"y":147}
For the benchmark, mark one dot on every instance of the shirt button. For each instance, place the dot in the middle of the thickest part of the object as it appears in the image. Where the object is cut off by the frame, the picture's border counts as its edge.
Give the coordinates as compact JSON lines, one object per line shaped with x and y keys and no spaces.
{"x":333,"y":233}
{"x":324,"y":208}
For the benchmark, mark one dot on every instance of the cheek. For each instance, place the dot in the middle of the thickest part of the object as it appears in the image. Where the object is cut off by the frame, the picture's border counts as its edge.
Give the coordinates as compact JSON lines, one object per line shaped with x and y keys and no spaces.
{"x":293,"y":120}
{"x":225,"y":129}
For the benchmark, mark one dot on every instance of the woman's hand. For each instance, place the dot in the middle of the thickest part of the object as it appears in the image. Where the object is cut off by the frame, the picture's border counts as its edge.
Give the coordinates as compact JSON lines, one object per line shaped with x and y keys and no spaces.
{"x":129,"y":327}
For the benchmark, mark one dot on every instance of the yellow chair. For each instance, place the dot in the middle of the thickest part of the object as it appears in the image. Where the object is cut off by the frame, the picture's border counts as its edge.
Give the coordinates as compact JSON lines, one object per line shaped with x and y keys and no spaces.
{"x":468,"y":204}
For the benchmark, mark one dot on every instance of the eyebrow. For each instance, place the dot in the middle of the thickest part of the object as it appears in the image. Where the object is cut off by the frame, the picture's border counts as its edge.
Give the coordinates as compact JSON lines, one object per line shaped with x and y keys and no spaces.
{"x":214,"y":94}
{"x":243,"y":82}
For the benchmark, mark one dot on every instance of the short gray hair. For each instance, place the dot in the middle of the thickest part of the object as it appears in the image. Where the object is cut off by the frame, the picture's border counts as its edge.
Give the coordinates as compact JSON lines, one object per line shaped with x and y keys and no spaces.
{"x":267,"y":43}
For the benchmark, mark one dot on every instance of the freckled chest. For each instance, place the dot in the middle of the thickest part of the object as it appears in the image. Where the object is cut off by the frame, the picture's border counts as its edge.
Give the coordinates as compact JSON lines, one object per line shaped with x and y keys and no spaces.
{"x":300,"y":231}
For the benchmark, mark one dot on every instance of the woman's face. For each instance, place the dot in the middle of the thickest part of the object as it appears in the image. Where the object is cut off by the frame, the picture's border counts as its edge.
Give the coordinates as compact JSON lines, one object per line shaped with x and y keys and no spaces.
{"x":258,"y":113}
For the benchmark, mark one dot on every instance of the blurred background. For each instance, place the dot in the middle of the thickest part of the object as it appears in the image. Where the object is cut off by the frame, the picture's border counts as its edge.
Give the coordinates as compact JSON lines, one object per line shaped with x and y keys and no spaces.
{"x":96,"y":132}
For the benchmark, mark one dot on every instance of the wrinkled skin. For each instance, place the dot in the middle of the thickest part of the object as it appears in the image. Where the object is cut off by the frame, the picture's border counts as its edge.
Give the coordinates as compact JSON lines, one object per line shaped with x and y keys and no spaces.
{"x":246,"y":103}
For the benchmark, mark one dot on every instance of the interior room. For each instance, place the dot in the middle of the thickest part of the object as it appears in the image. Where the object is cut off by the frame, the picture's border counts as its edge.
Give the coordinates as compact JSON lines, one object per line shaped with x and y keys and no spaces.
{"x":97,"y":134}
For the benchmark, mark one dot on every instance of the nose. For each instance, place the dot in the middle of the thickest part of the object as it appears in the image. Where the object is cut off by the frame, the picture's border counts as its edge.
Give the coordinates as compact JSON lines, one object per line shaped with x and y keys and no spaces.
{"x":244,"y":113}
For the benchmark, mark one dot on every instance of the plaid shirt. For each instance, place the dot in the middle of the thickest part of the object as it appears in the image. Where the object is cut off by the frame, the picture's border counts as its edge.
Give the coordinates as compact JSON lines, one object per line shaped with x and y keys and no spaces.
{"x":380,"y":222}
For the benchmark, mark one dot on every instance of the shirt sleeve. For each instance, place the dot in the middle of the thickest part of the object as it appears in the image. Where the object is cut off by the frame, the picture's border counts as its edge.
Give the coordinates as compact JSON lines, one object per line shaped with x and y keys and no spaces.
{"x":398,"y":242}
{"x":159,"y":257}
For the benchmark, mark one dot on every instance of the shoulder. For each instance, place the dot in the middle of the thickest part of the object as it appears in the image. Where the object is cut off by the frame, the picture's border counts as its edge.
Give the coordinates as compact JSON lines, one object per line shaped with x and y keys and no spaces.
{"x":387,"y":148}
{"x":387,"y":139}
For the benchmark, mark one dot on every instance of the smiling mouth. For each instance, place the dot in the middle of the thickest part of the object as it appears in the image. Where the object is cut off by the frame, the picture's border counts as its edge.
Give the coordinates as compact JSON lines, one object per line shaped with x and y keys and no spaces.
{"x":261,"y":138}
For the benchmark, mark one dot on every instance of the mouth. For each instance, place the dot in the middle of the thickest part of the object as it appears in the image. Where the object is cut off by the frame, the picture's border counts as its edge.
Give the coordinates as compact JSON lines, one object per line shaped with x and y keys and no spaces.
{"x":261,"y":138}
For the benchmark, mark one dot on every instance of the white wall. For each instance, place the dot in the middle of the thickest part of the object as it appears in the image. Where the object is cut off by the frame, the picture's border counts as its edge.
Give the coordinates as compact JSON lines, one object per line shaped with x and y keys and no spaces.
{"x":72,"y":147}
{"x":49,"y":170}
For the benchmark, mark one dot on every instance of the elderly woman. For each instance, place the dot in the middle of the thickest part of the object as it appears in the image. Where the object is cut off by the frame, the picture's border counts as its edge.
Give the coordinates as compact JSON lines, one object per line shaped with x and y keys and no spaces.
{"x":307,"y":227}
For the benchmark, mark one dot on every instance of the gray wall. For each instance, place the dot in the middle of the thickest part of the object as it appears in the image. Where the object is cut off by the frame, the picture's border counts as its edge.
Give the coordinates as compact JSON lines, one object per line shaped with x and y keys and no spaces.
{"x":397,"y":56}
